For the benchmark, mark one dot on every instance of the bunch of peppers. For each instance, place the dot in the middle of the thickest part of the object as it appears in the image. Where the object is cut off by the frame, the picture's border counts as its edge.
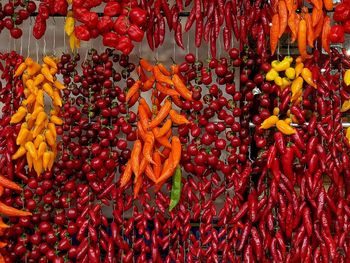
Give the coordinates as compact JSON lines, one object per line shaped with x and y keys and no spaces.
{"x":119,"y":33}
{"x":146,"y":157}
{"x":37,"y":136}
{"x":294,"y":77}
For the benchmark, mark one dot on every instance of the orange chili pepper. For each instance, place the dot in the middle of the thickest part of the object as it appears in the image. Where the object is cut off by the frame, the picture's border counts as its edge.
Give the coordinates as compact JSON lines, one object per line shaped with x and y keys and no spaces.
{"x":157,"y":167}
{"x":135,"y":158}
{"x":2,"y":245}
{"x":165,"y":128}
{"x":316,"y":16}
{"x":146,"y":65}
{"x":141,"y":131}
{"x":293,"y":24}
{"x":2,"y":224}
{"x":134,"y":88}
{"x":290,"y":6}
{"x":148,"y":147}
{"x":143,"y":166}
{"x":134,"y":99}
{"x":141,"y":74}
{"x":126,"y":175}
{"x":325,"y":33}
{"x":163,"y":69}
{"x":10,"y":211}
{"x":318,"y":4}
{"x":1,"y":190}
{"x":318,"y":28}
{"x":161,"y":77}
{"x":283,"y":17}
{"x":274,"y":33}
{"x":178,"y":118}
{"x":309,"y":30}
{"x":166,"y":90}
{"x":175,"y":150}
{"x":148,"y":84}
{"x":162,"y":114}
{"x":143,"y":117}
{"x":137,"y":186}
{"x":302,"y":39}
{"x":177,"y":101}
{"x":181,"y":88}
{"x":150,"y":173}
{"x":145,"y":107}
{"x":174,"y":69}
{"x":328,"y":4}
{"x":164,"y":141}
{"x":9,"y":184}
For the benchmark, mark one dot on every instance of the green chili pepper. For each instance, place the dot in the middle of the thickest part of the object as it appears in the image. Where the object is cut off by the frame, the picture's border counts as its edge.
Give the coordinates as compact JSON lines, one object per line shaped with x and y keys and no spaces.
{"x":176,"y":188}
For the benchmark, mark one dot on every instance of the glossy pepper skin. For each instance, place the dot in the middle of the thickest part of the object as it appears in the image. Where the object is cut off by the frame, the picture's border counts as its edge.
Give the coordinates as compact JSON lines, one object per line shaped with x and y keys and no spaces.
{"x":337,"y":34}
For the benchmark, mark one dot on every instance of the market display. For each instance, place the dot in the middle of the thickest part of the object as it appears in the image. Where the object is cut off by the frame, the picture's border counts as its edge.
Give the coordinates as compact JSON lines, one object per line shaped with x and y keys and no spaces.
{"x":237,"y":150}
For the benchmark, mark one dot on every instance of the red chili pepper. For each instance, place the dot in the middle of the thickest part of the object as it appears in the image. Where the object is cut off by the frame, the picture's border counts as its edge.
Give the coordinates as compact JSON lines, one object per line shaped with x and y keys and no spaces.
{"x":39,"y":27}
{"x":161,"y":30}
{"x":82,"y":248}
{"x":271,"y":155}
{"x":280,"y":143}
{"x":190,"y":20}
{"x":198,"y":32}
{"x":125,"y":45}
{"x":82,"y":229}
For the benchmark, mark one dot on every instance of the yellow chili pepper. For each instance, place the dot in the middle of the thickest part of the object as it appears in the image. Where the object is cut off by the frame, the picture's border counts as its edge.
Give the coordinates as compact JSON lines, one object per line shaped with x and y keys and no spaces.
{"x":50,"y":61}
{"x":38,"y":139}
{"x":57,"y":101}
{"x":276,"y":111}
{"x":347,"y":77}
{"x":19,"y":153}
{"x":46,"y":160}
{"x":38,"y":129}
{"x":30,"y":84}
{"x":33,"y":69}
{"x":38,"y":166}
{"x":288,"y":121}
{"x":56,"y":120}
{"x":278,"y":81}
{"x":69,"y":26}
{"x":19,"y":71}
{"x":269,"y":122}
{"x":29,"y":161}
{"x":41,"y":149}
{"x":50,"y":138}
{"x":290,"y":73}
{"x":29,"y":61}
{"x":307,"y":76}
{"x":285,"y":128}
{"x":298,"y":69}
{"x":48,"y":89}
{"x":31,"y":149}
{"x":52,"y":159}
{"x":41,"y":118}
{"x":274,"y":63}
{"x":288,"y":58}
{"x":22,"y":135}
{"x":346,"y":106}
{"x":53,"y":71}
{"x":285,"y":82}
{"x":52,"y":127}
{"x":348,"y":133}
{"x":281,"y":66}
{"x":46,"y":72}
{"x":38,"y":79}
{"x":19,"y":115}
{"x":40,"y":97}
{"x":31,"y":99}
{"x":271,"y":75}
{"x":59,"y":85}
{"x":297,"y":86}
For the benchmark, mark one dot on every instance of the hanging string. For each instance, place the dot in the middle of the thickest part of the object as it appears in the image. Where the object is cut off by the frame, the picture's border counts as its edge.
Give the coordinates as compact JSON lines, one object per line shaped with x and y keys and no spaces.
{"x":37,"y":50}
{"x":54,"y":37}
{"x":21,"y":45}
{"x":188,"y":43}
{"x":64,"y":41}
{"x":44,"y":45}
{"x":29,"y":32}
{"x":174,"y":50}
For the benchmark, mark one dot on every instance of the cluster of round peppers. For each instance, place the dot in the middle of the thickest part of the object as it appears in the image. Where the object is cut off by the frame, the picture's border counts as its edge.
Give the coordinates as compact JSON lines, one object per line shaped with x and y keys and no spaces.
{"x":37,"y":136}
